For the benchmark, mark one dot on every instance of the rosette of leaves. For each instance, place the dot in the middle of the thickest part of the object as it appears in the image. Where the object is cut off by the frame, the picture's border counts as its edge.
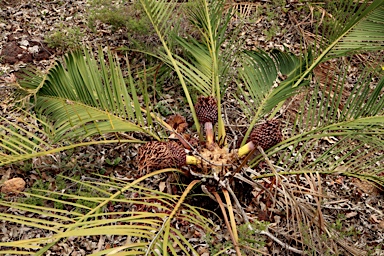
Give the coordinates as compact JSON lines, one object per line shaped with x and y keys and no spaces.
{"x":82,"y":97}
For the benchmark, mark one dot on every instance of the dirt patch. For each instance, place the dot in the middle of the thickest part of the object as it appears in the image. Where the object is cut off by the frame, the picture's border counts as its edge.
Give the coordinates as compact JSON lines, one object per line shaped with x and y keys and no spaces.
{"x":20,"y":48}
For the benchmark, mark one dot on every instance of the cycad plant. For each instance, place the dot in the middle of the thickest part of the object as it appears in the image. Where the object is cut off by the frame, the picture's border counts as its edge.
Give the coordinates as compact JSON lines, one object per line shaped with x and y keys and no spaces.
{"x":86,"y":100}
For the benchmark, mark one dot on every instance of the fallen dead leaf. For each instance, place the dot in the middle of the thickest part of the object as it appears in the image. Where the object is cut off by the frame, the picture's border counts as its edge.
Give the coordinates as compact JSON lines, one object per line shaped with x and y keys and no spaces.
{"x":373,"y":219}
{"x":350,"y":215}
{"x":340,"y":180}
{"x":177,"y":122}
{"x":365,"y":186}
{"x":10,"y":79}
{"x":381,"y":224}
{"x":162,"y":186}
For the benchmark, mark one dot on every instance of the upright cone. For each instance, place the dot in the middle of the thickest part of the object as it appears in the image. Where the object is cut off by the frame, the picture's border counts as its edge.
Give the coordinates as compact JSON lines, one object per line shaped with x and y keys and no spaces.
{"x":267,"y":134}
{"x":206,"y":109}
{"x":207,"y":113}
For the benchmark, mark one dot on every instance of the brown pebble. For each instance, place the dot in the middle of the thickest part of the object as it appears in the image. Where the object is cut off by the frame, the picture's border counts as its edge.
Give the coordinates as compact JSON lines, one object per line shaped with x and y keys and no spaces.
{"x":15,"y":186}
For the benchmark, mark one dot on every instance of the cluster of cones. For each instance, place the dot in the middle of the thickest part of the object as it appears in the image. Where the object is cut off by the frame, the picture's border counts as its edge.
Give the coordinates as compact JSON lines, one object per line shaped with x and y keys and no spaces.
{"x":159,"y":155}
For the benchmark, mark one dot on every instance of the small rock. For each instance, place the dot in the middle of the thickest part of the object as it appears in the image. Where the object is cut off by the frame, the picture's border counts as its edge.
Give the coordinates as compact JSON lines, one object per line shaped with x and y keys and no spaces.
{"x":34,"y":49}
{"x":24,"y":43}
{"x":13,"y":186}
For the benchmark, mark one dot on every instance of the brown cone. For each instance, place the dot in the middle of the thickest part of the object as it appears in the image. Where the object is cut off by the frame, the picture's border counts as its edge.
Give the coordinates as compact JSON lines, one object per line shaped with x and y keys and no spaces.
{"x":160,"y":155}
{"x":267,"y":134}
{"x":206,"y":109}
{"x":177,"y":153}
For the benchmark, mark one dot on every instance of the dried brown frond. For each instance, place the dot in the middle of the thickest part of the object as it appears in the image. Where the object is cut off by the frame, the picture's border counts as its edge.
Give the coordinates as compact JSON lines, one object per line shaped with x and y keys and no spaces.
{"x":304,"y":226}
{"x":241,"y":10}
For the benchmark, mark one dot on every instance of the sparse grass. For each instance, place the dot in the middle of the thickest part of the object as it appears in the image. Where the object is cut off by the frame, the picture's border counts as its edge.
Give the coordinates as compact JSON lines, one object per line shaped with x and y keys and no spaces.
{"x":163,"y":108}
{"x":38,"y":188}
{"x":342,"y":229}
{"x":113,"y":162}
{"x":65,"y":38}
{"x":119,"y":15}
{"x":250,"y":240}
{"x":217,"y":247}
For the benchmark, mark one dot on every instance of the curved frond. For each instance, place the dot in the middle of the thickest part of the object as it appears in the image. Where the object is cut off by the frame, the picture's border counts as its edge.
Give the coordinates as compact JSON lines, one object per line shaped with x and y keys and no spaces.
{"x":77,"y":120}
{"x":337,"y":129}
{"x":84,"y":96}
{"x":363,"y":33}
{"x":159,"y":13}
{"x":260,"y":73}
{"x":24,"y":136}
{"x":207,"y":65}
{"x":86,"y":214}
{"x":80,"y":79}
{"x":360,"y":33}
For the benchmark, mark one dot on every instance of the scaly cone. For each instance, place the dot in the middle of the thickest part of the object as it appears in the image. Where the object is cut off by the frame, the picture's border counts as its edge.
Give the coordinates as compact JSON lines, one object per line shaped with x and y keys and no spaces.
{"x":160,"y":155}
{"x":265,"y":135}
{"x":206,"y":111}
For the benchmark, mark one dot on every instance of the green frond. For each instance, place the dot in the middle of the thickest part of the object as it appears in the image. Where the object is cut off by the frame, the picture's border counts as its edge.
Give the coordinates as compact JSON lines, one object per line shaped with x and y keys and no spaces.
{"x":259,"y":74}
{"x":330,"y":103}
{"x":359,"y":33}
{"x":12,"y":157}
{"x":351,"y":148}
{"x":200,"y":62}
{"x":81,"y":79}
{"x":205,"y":66}
{"x":77,"y":120}
{"x":77,"y":99}
{"x":192,"y":74}
{"x":207,"y":56}
{"x":28,"y":136}
{"x":344,"y":128}
{"x":368,"y":103}
{"x":364,"y":32}
{"x":158,"y":13}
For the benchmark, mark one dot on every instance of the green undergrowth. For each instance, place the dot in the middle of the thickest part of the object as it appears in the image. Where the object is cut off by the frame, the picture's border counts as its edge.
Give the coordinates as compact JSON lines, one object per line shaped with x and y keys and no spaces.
{"x":250,"y":239}
{"x":119,"y":15}
{"x":65,"y":38}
